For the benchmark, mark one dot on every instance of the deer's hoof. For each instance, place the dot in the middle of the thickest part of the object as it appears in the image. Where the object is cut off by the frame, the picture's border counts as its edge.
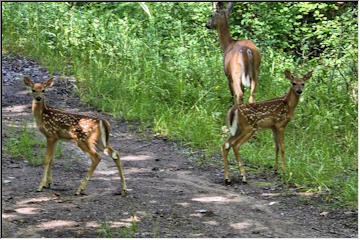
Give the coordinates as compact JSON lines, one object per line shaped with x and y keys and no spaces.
{"x":227,"y":182}
{"x":79,"y":192}
{"x":124,"y":193}
{"x":40,"y":188}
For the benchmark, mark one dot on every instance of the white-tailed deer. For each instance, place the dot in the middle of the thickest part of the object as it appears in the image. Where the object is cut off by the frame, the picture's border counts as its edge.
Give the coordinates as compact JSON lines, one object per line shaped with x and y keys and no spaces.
{"x":241,"y":58}
{"x":245,"y":119}
{"x":89,"y":133}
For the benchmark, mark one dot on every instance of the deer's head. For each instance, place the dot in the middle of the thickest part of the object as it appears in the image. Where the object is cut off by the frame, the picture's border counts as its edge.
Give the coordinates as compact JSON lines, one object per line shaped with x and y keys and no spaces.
{"x":297,"y":83}
{"x":38,"y":89}
{"x":219,"y":15}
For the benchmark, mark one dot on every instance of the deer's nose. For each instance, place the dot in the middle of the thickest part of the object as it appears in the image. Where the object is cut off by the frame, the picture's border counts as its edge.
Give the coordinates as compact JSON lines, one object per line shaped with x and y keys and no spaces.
{"x":299,"y":91}
{"x":38,"y":98}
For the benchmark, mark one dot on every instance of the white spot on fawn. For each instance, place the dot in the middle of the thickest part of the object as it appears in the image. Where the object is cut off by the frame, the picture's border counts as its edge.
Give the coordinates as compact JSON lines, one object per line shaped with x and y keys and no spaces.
{"x":233,"y":127}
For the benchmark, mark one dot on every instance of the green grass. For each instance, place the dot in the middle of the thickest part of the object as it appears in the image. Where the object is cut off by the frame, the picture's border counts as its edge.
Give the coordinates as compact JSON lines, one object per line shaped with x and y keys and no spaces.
{"x":169,"y":75}
{"x":25,"y":144}
{"x":311,"y":164}
{"x":124,"y":232}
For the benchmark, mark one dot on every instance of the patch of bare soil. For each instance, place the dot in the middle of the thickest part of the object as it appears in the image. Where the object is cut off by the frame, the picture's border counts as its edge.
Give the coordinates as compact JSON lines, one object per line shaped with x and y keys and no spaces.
{"x":169,"y":195}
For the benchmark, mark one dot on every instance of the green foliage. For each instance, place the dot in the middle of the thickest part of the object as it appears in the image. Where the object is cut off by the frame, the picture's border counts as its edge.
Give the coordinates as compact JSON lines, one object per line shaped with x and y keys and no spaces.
{"x":105,"y":230}
{"x":167,"y":71}
{"x":124,"y":232}
{"x":22,"y":145}
{"x":25,"y":144}
{"x":301,"y":29}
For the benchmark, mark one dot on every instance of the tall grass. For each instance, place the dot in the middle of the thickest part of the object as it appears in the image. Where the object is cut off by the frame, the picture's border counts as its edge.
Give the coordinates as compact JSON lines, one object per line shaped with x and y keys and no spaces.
{"x":166,"y":72}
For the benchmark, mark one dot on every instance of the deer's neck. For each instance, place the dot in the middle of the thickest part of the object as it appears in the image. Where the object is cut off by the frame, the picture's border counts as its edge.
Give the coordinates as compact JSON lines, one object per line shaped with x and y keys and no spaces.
{"x":292,"y":100}
{"x":38,"y":109}
{"x":224,"y":35}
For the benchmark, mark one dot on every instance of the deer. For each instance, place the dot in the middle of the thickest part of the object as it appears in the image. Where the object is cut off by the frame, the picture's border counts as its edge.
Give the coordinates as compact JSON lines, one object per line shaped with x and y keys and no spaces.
{"x":241,"y":58}
{"x":90,"y":134}
{"x":246,"y":119}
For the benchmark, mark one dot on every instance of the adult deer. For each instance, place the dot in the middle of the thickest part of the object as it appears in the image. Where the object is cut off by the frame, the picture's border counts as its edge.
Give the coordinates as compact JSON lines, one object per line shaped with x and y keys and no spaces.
{"x":241,"y":58}
{"x":244,"y":120}
{"x":89,"y":134}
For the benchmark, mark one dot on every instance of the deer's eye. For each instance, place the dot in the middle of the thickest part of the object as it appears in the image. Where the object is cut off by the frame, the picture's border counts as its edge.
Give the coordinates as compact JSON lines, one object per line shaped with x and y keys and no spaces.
{"x":302,"y":84}
{"x":294,"y":84}
{"x":33,"y":90}
{"x":43,"y":91}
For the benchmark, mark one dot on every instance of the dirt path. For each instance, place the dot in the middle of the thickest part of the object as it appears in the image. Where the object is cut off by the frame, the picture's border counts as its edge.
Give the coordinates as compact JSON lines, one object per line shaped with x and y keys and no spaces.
{"x":169,"y":195}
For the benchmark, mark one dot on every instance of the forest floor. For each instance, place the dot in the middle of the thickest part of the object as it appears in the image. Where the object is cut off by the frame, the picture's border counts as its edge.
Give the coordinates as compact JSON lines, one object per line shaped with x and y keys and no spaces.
{"x":170,"y":194}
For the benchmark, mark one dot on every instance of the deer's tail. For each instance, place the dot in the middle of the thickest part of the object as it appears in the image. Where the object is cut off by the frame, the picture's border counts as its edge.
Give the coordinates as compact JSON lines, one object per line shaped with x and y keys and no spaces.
{"x":232,"y":120}
{"x":104,"y":132}
{"x":246,"y":63}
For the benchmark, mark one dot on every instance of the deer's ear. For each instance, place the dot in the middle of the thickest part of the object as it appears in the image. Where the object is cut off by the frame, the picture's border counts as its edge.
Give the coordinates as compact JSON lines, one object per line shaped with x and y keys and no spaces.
{"x":49,"y":82}
{"x":288,"y":75}
{"x":307,"y":76}
{"x":28,"y":82}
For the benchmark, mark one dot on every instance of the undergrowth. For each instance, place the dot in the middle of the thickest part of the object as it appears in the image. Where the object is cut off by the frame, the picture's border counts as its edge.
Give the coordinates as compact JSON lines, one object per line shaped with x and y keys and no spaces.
{"x":25,"y":144}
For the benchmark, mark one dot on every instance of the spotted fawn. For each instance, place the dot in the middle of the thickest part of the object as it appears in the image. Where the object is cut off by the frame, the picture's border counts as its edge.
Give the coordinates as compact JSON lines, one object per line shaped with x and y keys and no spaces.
{"x":245,"y":119}
{"x":90,"y":134}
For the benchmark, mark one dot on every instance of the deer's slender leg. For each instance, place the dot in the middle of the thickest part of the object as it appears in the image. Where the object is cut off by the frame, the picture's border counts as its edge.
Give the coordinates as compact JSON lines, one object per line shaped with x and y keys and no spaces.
{"x":50,"y":149}
{"x":95,"y":158}
{"x":49,"y":174}
{"x":116,"y":157}
{"x":225,"y":152}
{"x":252,"y":90}
{"x":282,"y":147}
{"x":254,"y":80}
{"x":242,"y":138}
{"x":276,"y":140}
{"x":231,"y":89}
{"x":237,"y":88}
